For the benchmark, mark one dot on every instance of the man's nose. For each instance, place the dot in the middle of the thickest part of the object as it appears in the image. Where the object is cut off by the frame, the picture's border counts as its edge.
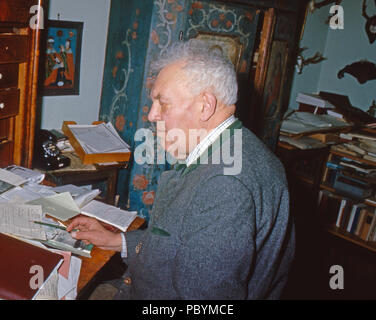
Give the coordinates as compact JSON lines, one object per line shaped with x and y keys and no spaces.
{"x":154,"y":113}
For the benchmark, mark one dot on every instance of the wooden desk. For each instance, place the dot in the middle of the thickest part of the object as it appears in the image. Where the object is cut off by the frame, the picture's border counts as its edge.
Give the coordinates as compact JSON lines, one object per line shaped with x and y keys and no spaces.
{"x":79,"y":174}
{"x":100,"y":258}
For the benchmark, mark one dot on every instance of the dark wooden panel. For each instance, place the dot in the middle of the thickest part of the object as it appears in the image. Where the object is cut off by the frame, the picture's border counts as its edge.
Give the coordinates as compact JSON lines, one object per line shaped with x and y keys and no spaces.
{"x":13,"y":49}
{"x":16,"y":11}
{"x":4,"y":130}
{"x":6,"y":152}
{"x":8,"y":75}
{"x":9,"y":103}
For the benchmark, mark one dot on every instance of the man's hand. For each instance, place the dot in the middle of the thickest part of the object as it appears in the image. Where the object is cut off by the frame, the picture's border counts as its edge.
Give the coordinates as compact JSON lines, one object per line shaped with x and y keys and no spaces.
{"x":91,"y":231}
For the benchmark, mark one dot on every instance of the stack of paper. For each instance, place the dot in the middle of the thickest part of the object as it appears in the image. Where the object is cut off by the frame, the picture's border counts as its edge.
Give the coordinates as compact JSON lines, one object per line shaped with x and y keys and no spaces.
{"x":101,"y":138}
{"x":314,"y":100}
{"x":302,"y":122}
{"x":31,"y":176}
{"x":9,"y":180}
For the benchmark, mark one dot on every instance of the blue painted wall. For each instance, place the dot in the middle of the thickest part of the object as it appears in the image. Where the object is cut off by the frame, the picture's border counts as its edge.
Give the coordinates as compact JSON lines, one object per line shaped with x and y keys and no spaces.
{"x":340,"y":47}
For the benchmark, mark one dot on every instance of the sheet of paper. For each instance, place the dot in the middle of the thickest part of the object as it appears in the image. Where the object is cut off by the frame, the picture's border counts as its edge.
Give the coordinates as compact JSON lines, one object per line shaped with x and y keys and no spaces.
{"x":11,"y":178}
{"x":42,"y":190}
{"x":71,"y":188}
{"x":31,"y":176}
{"x":19,"y":220}
{"x":64,"y":268}
{"x":109,"y":214}
{"x":20,"y":195}
{"x":60,"y":206}
{"x":49,"y":290}
{"x":67,"y":288}
{"x":85,"y":198}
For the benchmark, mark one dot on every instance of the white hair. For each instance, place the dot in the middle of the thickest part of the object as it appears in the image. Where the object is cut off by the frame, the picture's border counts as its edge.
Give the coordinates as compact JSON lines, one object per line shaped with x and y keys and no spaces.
{"x":205,"y":66}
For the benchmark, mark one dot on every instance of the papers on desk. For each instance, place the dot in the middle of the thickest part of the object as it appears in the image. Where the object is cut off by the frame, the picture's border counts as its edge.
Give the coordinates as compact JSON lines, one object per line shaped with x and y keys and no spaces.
{"x":101,"y":138}
{"x":306,"y":122}
{"x":31,"y":176}
{"x":60,"y":206}
{"x":19,"y":220}
{"x":9,"y":180}
{"x":116,"y":217}
{"x":27,"y":201}
{"x":80,"y":195}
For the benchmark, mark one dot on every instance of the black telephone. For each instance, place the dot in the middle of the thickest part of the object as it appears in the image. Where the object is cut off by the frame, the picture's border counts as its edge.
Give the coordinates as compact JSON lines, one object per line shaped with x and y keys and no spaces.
{"x":47,"y":155}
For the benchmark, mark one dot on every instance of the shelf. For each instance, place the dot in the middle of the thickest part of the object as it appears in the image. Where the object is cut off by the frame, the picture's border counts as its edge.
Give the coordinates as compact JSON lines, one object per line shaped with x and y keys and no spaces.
{"x":350,"y":237}
{"x":349,"y":156}
{"x":368,"y":202}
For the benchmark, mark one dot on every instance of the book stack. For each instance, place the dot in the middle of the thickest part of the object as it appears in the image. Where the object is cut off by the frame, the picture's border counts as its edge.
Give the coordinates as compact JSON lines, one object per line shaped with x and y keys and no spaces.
{"x":310,"y":102}
{"x":349,"y":216}
{"x":351,"y":178}
{"x":361,"y":144}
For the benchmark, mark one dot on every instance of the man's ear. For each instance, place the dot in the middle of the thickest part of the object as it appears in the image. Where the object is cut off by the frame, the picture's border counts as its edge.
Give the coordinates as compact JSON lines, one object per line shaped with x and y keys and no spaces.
{"x":209,"y":105}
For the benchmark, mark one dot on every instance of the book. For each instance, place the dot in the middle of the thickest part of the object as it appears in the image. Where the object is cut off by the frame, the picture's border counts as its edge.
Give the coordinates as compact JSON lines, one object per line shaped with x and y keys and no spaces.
{"x":366,"y":225}
{"x":351,"y":217}
{"x":355,"y":221}
{"x":346,"y":215}
{"x":352,"y":187}
{"x":371,"y":228}
{"x":363,"y":214}
{"x":340,"y":212}
{"x":16,"y":275}
{"x":314,"y":100}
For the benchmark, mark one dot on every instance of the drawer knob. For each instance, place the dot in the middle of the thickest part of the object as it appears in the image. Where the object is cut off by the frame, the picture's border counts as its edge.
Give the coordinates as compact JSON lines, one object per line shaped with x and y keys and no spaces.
{"x":1,"y":76}
{"x":2,"y":105}
{"x":6,"y":48}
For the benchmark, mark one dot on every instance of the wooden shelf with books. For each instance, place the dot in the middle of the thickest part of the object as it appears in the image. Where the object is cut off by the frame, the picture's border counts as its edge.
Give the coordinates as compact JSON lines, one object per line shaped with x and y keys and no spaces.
{"x":346,"y":201}
{"x":352,"y":238}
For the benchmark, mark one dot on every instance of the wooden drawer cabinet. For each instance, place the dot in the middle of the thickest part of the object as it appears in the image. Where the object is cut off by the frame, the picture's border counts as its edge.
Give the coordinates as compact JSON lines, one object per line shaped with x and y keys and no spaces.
{"x":8,"y":75}
{"x":13,"y":49}
{"x":9,"y":103}
{"x":19,"y":65}
{"x":6,"y":150}
{"x":15,"y":11}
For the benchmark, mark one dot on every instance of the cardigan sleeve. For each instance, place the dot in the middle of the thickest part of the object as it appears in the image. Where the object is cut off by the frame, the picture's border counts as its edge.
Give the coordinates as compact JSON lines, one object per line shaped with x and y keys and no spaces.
{"x":217,"y":248}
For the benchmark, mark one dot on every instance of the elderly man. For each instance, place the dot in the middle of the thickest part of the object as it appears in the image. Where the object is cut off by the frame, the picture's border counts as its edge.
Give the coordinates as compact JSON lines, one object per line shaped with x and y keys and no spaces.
{"x":212,"y":234}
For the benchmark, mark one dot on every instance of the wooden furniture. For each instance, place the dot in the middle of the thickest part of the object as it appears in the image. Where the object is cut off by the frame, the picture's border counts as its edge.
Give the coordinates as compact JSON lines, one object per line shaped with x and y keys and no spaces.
{"x":92,"y":267}
{"x":80,"y":174}
{"x":304,"y":170}
{"x":19,"y":54}
{"x":327,"y":185}
{"x":93,"y":157}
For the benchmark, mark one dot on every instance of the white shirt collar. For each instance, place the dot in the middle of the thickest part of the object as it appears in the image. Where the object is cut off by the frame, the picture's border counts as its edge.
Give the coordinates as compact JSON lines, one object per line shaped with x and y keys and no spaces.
{"x":209,"y":140}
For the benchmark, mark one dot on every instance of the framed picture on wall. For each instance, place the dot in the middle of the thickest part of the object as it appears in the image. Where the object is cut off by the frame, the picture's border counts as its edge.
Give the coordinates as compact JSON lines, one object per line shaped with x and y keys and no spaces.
{"x":228,"y":45}
{"x":61,"y":66}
